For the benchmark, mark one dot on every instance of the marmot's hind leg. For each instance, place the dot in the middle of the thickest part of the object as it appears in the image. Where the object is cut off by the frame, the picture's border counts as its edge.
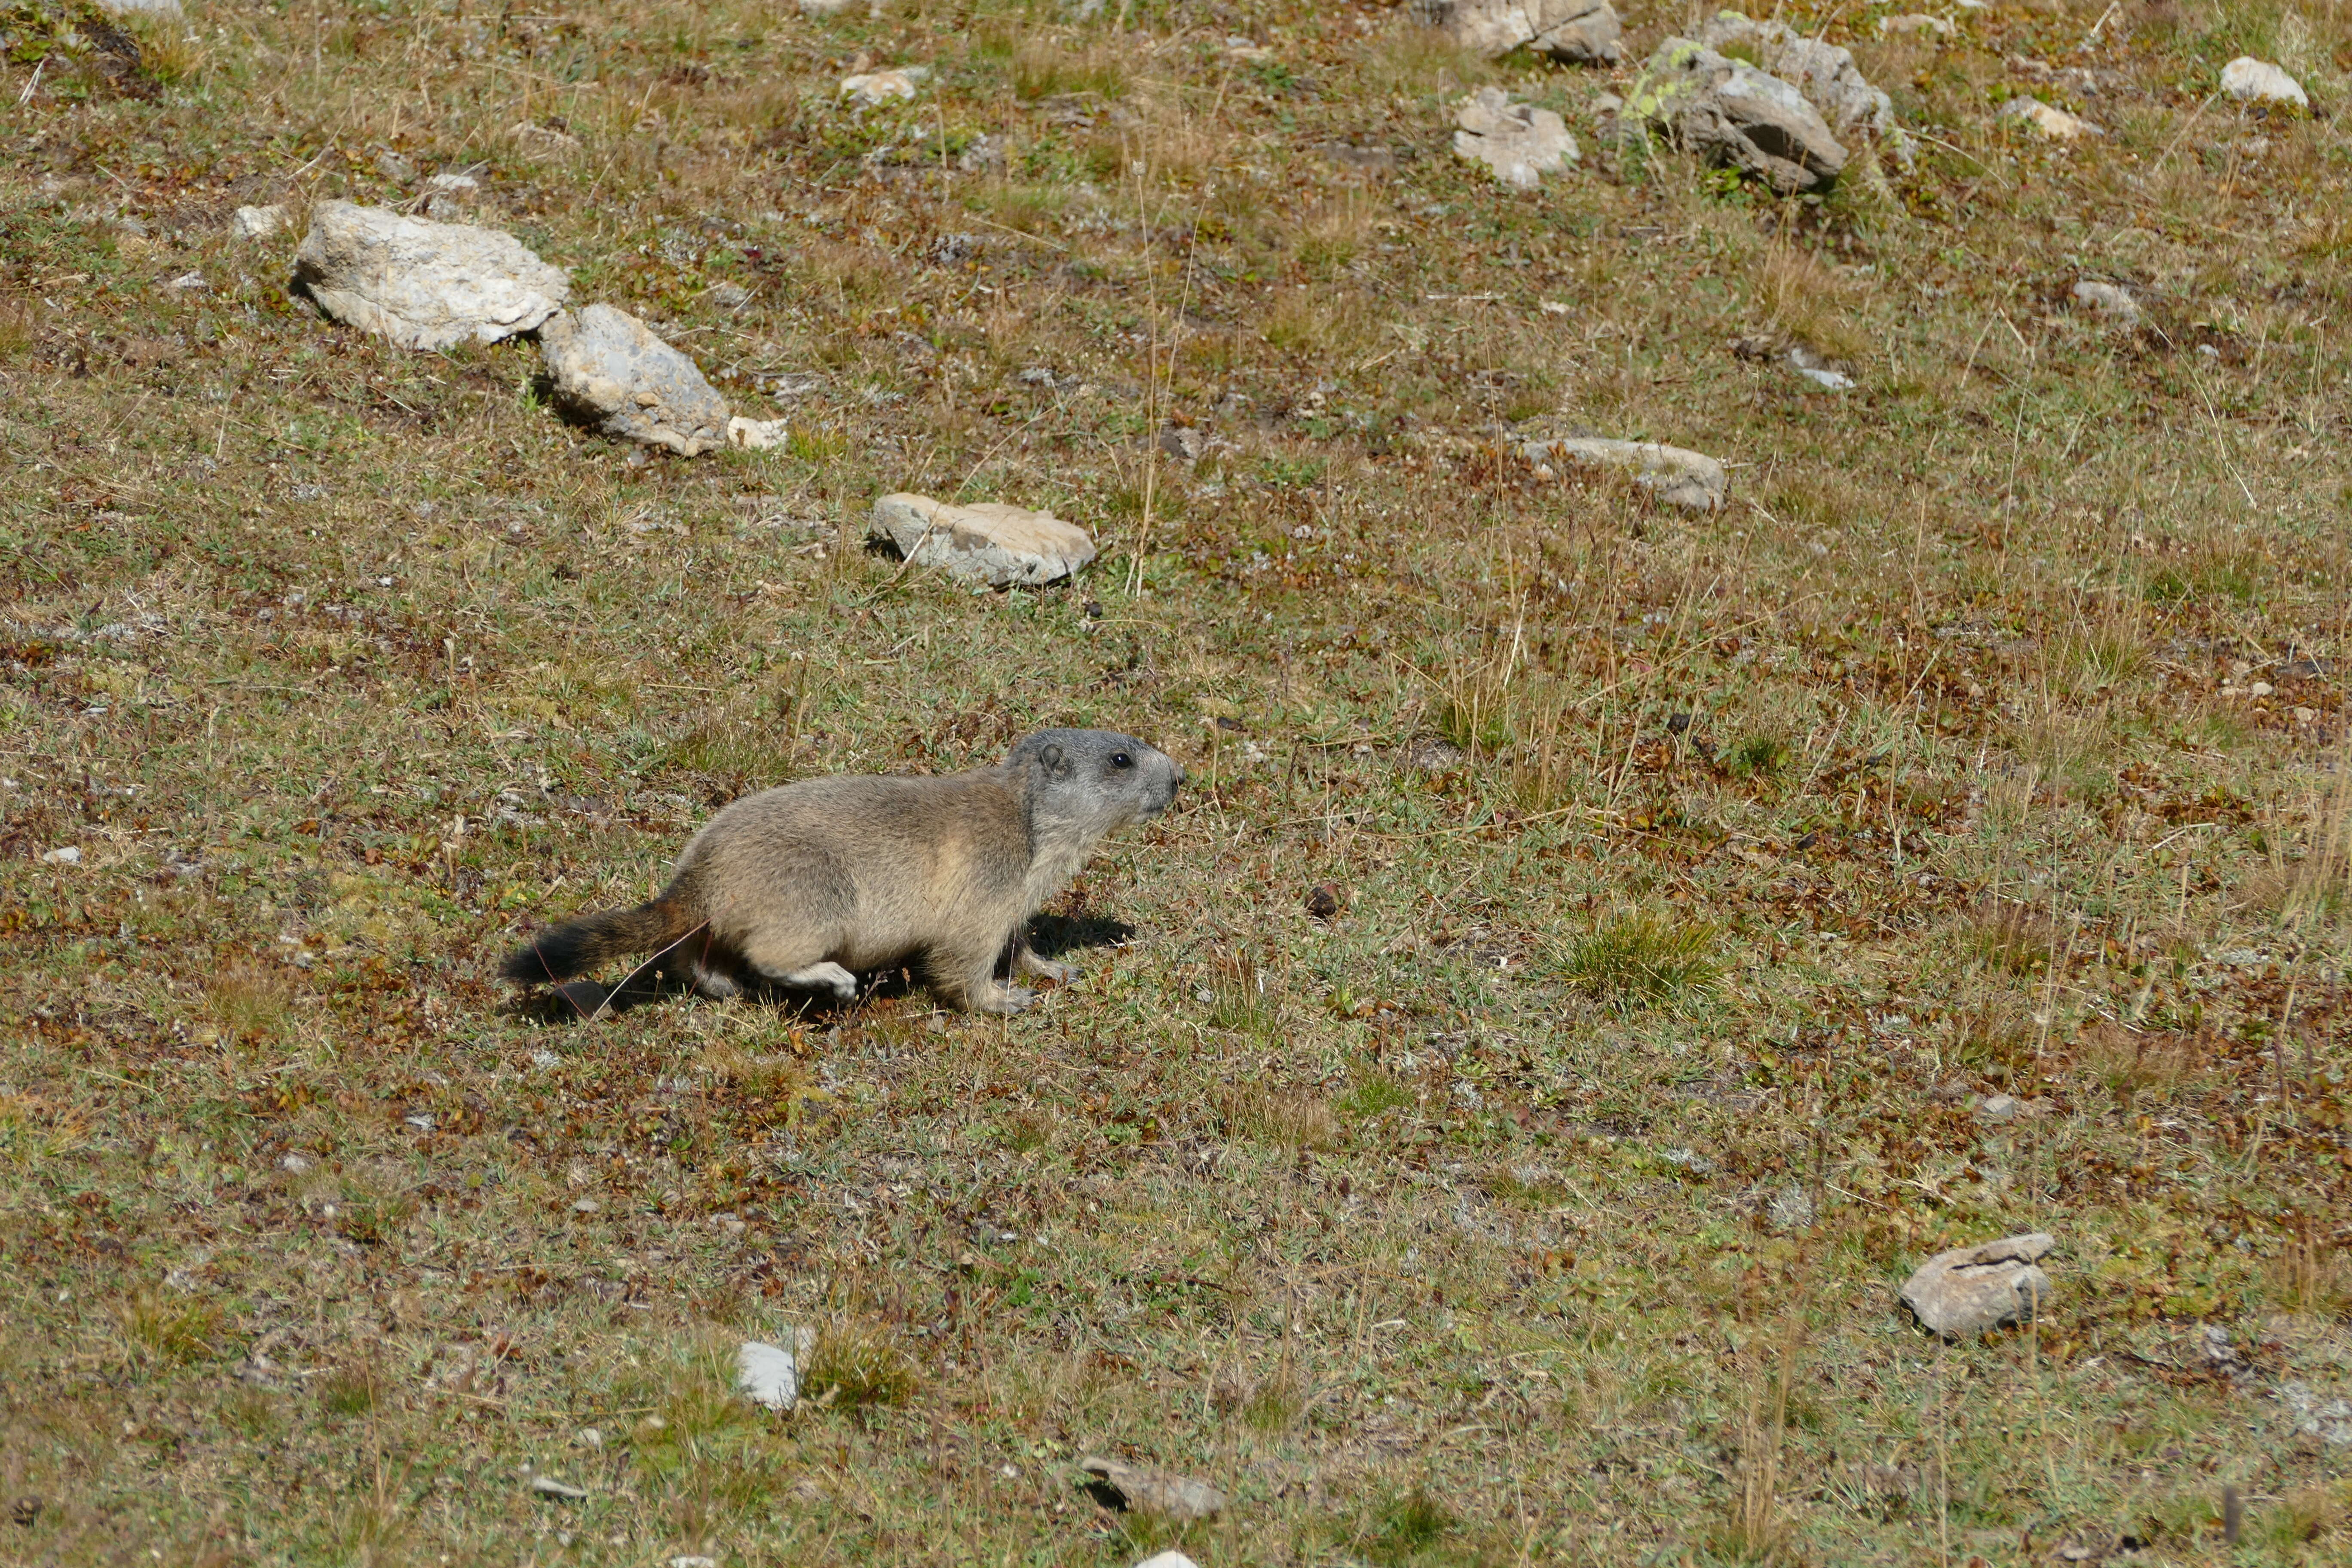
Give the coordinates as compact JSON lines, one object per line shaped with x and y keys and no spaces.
{"x":826,"y":976}
{"x":799,"y":964}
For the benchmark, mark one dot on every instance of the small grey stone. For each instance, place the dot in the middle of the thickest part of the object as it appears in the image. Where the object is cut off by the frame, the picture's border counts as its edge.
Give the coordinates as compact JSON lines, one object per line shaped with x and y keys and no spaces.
{"x":986,"y":544}
{"x":256,"y":223}
{"x":2109,"y":299}
{"x":1692,"y":480}
{"x":1970,"y":1290}
{"x":610,"y":371}
{"x":1585,"y":32}
{"x":1519,"y":142}
{"x":1178,"y":1500}
{"x":1792,"y":1208}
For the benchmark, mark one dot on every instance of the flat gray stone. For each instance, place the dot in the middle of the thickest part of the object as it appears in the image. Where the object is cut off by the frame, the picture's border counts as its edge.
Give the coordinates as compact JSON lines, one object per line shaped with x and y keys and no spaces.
{"x":424,"y":284}
{"x":987,"y":544}
{"x":1971,"y":1289}
{"x":610,"y":371}
{"x":1682,"y":477}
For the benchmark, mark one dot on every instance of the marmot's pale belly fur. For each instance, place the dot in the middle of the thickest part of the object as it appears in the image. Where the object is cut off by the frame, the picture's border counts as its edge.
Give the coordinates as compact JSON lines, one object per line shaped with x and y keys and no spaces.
{"x":805,"y":885}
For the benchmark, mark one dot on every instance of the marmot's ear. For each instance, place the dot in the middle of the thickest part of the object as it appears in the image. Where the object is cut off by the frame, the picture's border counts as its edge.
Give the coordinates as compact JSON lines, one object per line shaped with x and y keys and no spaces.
{"x":1050,"y":758}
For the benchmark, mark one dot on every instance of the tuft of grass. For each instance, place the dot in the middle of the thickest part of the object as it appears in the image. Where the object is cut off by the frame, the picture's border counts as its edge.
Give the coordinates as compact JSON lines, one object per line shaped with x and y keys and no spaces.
{"x":2311,"y":1276}
{"x":1645,"y":960}
{"x":248,"y":1004}
{"x":166,"y":1331}
{"x":354,"y":1388}
{"x":1041,"y":69}
{"x":1288,"y":1119}
{"x":1758,"y":754}
{"x":858,"y":1364}
{"x":1238,"y":998}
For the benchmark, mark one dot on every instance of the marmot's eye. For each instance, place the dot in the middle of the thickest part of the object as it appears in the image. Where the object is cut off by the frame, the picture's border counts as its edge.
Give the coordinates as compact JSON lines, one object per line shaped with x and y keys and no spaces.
{"x":1121,"y":760}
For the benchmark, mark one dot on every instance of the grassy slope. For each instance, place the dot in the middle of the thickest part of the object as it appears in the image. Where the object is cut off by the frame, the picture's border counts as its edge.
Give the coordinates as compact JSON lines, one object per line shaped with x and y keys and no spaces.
{"x":1549,"y":1202}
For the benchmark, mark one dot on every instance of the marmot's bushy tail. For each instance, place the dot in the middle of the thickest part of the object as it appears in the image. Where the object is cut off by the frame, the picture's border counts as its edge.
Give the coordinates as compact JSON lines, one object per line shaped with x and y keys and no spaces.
{"x":577,"y":946}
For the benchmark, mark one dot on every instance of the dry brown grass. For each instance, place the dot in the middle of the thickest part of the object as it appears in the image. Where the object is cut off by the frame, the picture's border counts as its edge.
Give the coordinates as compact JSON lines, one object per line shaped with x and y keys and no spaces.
{"x":1448,"y":1155}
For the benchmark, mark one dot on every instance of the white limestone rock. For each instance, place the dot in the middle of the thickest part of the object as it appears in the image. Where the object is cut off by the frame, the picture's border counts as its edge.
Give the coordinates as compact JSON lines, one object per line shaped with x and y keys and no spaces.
{"x":1519,"y":142}
{"x":987,"y":544}
{"x":611,"y":372}
{"x":2250,"y":80}
{"x":424,"y":284}
{"x":1691,"y":481}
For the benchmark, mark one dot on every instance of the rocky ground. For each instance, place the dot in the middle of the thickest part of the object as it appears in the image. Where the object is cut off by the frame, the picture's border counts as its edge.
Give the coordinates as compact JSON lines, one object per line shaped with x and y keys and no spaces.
{"x":1751,"y":968}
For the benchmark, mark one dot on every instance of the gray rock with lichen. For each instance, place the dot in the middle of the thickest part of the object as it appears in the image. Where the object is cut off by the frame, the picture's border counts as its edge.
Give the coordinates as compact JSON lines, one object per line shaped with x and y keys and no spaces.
{"x":610,"y":371}
{"x":1733,"y":113}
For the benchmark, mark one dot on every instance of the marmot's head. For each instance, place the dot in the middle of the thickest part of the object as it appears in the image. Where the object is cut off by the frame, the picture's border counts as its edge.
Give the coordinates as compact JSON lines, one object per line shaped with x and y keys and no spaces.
{"x":1094,"y":780}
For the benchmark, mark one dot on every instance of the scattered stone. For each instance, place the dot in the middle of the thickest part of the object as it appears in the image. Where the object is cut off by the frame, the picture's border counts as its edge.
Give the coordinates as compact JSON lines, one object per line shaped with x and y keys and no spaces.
{"x":256,"y":223}
{"x":757,"y":435}
{"x":2328,"y":1420}
{"x":1970,"y":1290}
{"x":1325,"y":901}
{"x":2223,"y":1359}
{"x":983,"y":155}
{"x":1242,"y":48}
{"x":294,"y":1164}
{"x":1818,"y":370}
{"x":1183,"y":443}
{"x":2109,"y":299}
{"x":1734,"y":115}
{"x":727,"y":296}
{"x":548,"y":139}
{"x":1892,"y":27}
{"x":395,"y":169}
{"x":1825,"y":73}
{"x":584,"y":1205}
{"x":1682,"y":477}
{"x":826,"y":8}
{"x":1179,"y":1499}
{"x":692,"y":1561}
{"x":1586,"y":32}
{"x":869,"y":88}
{"x":2250,"y":80}
{"x":424,"y":284}
{"x":1519,"y":142}
{"x":548,"y":1486}
{"x":168,"y":9}
{"x":1370,"y":160}
{"x":590,"y":1438}
{"x":2054,"y":123}
{"x":68,"y":855}
{"x":1168,"y":1560}
{"x":1792,"y":1208}
{"x":611,"y":372}
{"x":769,"y":1375}
{"x":989,"y":543}
{"x":187,"y":283}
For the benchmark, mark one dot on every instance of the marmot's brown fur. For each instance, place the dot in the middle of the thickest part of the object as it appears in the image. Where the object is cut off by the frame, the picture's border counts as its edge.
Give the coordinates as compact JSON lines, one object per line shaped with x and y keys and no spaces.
{"x":807,"y":885}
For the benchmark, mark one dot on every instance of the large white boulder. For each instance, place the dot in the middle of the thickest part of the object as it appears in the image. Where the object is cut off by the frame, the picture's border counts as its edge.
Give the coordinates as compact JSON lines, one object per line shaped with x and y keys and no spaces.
{"x":424,"y":284}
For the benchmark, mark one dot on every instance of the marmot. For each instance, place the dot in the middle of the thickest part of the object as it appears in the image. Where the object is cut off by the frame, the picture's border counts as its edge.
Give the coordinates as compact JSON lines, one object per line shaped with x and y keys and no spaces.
{"x":807,"y":884}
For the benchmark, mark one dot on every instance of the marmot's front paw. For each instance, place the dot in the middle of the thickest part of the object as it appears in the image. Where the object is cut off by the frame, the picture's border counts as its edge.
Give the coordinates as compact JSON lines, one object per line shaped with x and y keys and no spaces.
{"x":1039,"y":968}
{"x":1004,"y":999}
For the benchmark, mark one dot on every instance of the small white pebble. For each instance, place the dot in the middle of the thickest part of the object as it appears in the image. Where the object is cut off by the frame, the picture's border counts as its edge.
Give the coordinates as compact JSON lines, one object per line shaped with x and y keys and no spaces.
{"x":68,"y":856}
